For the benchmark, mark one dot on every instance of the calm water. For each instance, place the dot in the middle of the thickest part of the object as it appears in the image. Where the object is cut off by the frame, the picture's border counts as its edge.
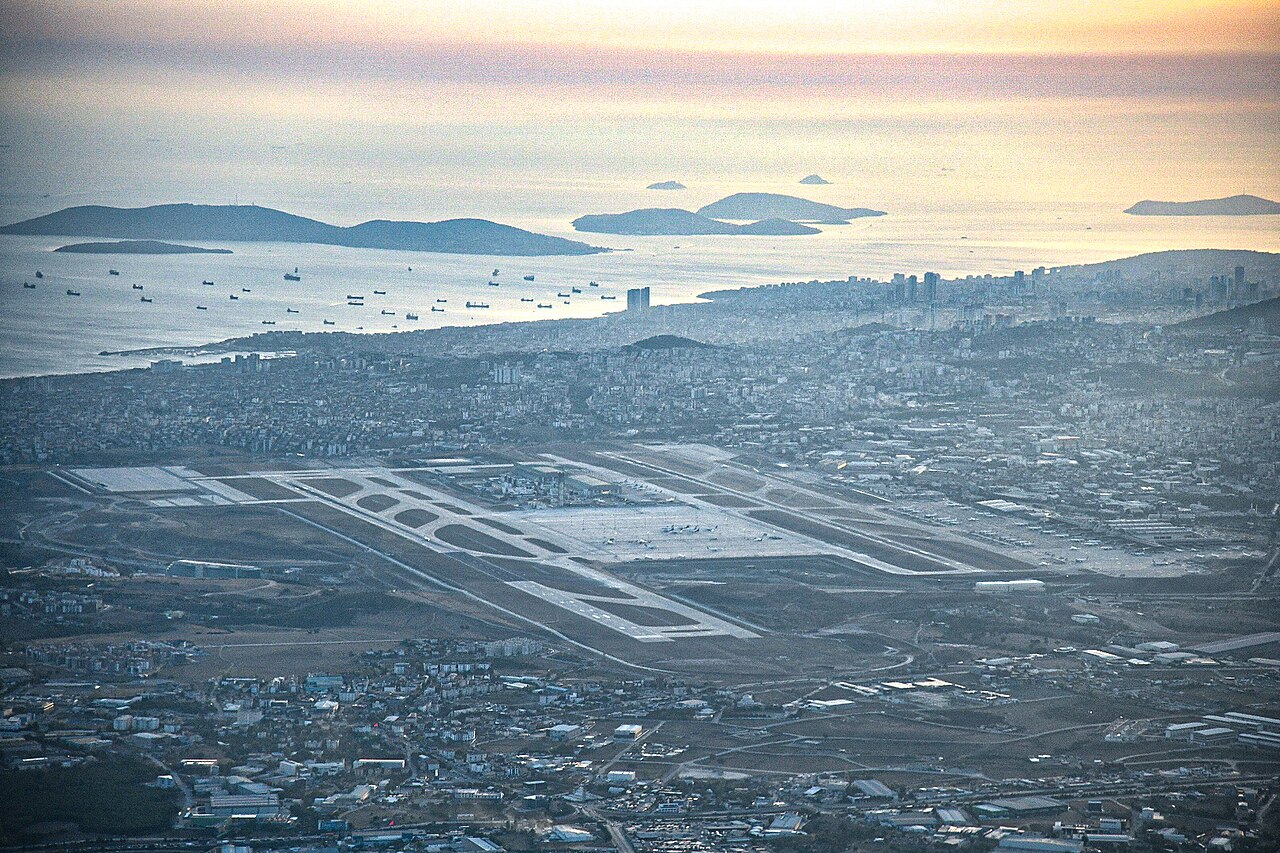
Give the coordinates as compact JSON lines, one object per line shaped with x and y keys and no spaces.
{"x":45,"y":331}
{"x":977,"y":177}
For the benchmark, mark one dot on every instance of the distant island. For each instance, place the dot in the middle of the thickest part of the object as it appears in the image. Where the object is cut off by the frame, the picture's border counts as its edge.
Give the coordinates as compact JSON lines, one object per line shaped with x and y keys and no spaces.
{"x":1236,"y":205}
{"x":250,"y":223}
{"x":814,"y":180}
{"x":775,"y":206}
{"x":666,"y":185}
{"x":670,"y":221}
{"x":138,"y":247}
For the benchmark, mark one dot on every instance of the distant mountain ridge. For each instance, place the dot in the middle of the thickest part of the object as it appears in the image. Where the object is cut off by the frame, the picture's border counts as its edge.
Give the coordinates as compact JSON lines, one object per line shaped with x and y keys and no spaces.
{"x":251,"y":223}
{"x":673,"y":222}
{"x":1236,"y":205}
{"x":778,"y":206}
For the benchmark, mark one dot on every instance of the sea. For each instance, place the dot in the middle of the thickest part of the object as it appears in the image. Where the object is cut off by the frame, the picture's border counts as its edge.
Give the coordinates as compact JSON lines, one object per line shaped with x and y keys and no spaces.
{"x":45,"y":331}
{"x":988,"y":184}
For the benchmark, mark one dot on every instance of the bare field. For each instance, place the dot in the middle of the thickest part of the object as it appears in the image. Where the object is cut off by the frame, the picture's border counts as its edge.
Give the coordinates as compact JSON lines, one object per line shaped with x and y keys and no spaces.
{"x":377,"y":502}
{"x":416,"y":517}
{"x":262,"y":489}
{"x":335,"y":486}
{"x":470,"y":539}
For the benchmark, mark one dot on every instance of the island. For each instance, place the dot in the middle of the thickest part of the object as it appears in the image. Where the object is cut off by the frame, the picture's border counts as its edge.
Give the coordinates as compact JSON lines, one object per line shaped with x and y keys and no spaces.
{"x":756,"y":206}
{"x":814,"y":180}
{"x":1236,"y":205}
{"x":251,"y":223}
{"x":666,"y":185}
{"x":669,"y":221}
{"x":139,"y":247}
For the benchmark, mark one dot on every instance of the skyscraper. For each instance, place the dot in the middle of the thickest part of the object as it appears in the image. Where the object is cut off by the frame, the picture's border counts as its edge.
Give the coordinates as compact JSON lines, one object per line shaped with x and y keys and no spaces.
{"x":637,"y":298}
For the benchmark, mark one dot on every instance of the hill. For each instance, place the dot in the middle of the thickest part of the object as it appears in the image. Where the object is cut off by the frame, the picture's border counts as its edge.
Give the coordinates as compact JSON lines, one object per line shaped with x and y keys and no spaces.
{"x":666,"y":185}
{"x":777,"y":228}
{"x":776,"y":206}
{"x":1233,"y":319}
{"x":814,"y":180}
{"x":660,"y":342}
{"x":250,"y":223}
{"x":1236,"y":205}
{"x":1181,"y":263}
{"x":670,"y":221}
{"x":139,"y":247}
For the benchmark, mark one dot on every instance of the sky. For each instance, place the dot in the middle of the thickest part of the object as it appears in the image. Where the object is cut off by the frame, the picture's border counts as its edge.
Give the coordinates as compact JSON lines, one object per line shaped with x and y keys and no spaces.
{"x":475,"y":103}
{"x":766,"y":26}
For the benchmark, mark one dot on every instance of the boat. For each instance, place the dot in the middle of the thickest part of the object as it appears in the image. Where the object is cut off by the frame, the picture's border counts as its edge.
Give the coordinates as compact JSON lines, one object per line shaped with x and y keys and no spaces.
{"x":327,"y":322}
{"x":526,"y":298}
{"x":386,"y":313}
{"x":442,"y":300}
{"x":540,"y":305}
{"x":202,"y":308}
{"x":562,"y":295}
{"x":245,"y":290}
{"x":495,"y":270}
{"x":291,"y":277}
{"x":39,"y":274}
{"x":409,"y":316}
{"x":576,"y":289}
{"x":566,"y":302}
{"x":113,"y":272}
{"x":477,"y":304}
{"x":291,"y":310}
{"x":410,"y":269}
{"x":439,"y":310}
{"x":592,"y":284}
{"x":207,"y":283}
{"x":137,"y":287}
{"x":602,"y":296}
{"x":379,"y":293}
{"x":354,"y":296}
{"x":233,"y":296}
{"x":71,"y":292}
{"x":356,"y":304}
{"x":268,"y":322}
{"x":494,"y":284}
{"x":528,"y":278}
{"x":146,"y":299}
{"x":28,"y":286}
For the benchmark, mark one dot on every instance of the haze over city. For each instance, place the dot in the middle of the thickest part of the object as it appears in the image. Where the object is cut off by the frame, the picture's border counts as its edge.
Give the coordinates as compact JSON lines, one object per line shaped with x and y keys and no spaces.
{"x":648,"y":427}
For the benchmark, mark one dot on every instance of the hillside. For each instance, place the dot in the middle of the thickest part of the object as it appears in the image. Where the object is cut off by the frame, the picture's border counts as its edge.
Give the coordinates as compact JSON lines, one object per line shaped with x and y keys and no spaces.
{"x":1182,"y":263}
{"x":661,"y":342}
{"x":1268,"y":310}
{"x":1236,"y":205}
{"x":250,"y":223}
{"x":777,"y":206}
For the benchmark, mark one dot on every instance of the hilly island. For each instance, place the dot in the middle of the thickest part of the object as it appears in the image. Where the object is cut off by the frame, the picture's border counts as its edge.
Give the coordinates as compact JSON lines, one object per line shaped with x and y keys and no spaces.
{"x":673,"y":221}
{"x":776,"y":206}
{"x":138,"y":247}
{"x":251,"y":223}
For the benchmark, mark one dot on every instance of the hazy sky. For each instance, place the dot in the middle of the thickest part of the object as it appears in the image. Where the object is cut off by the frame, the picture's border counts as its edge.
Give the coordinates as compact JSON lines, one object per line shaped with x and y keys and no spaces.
{"x":469,"y":103}
{"x":809,"y":26}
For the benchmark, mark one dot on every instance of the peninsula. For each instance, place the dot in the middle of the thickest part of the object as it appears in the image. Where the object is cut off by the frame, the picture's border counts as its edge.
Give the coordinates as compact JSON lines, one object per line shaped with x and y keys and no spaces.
{"x":138,"y":247}
{"x":1236,"y":205}
{"x":250,"y":223}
